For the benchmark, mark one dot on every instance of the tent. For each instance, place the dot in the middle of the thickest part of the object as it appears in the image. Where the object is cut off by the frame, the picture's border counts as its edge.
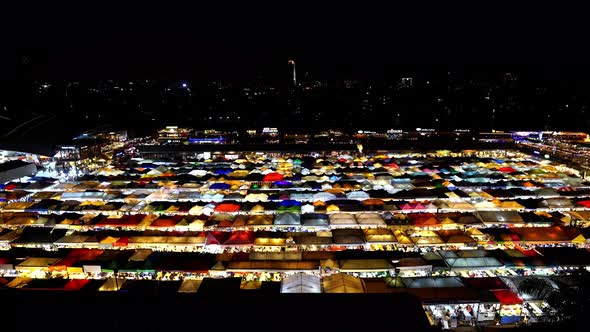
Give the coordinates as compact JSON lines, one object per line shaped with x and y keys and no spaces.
{"x":323,"y":196}
{"x":287,"y":219}
{"x":506,"y":297}
{"x":342,"y":219}
{"x":227,"y":207}
{"x":379,"y":235}
{"x":370,"y":219}
{"x":112,"y":285}
{"x":433,"y":282}
{"x":240,"y":238}
{"x":343,"y":283}
{"x":190,"y":285}
{"x":500,"y":217}
{"x":301,"y":283}
{"x":260,"y":220}
{"x":272,"y":177}
{"x":358,"y":195}
{"x":220,"y":186}
{"x":362,"y":265}
{"x":315,"y":219}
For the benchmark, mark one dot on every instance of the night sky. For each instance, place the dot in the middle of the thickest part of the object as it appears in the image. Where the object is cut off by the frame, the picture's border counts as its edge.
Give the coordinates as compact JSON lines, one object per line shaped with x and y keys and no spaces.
{"x":236,"y":42}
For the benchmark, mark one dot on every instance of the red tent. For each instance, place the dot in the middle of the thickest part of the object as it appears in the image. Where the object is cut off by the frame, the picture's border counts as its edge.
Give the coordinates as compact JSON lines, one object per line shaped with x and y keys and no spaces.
{"x":506,"y":170}
{"x":10,"y":186}
{"x":89,"y":254}
{"x":423,"y":219}
{"x":585,"y":203}
{"x":240,"y":238}
{"x":133,"y":220}
{"x":506,"y":296}
{"x":272,"y":177}
{"x":227,"y":207}
{"x":215,"y":237}
{"x":111,"y":222}
{"x":122,"y":242}
{"x":165,"y":222}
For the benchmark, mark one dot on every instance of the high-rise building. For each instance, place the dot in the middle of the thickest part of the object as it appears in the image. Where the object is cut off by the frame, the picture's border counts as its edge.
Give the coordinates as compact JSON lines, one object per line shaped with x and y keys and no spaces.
{"x":292,"y":87}
{"x":292,"y":74}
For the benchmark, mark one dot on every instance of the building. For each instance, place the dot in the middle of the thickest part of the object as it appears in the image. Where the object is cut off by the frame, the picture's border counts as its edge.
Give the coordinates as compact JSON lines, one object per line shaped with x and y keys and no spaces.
{"x":292,"y":74}
{"x":174,"y":134}
{"x":81,"y":149}
{"x":292,"y":85}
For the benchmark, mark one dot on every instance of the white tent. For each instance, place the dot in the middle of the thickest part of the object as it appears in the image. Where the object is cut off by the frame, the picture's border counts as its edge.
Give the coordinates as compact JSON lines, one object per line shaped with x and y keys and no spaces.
{"x":323,"y":196}
{"x":198,"y":172}
{"x":307,"y":208}
{"x":360,"y":195}
{"x":301,"y":283}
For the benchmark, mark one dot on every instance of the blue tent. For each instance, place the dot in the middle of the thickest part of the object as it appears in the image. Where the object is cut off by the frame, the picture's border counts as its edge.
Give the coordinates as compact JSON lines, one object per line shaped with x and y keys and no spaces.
{"x":220,"y":186}
{"x":223,"y":171}
{"x":289,"y":202}
{"x":283,"y":184}
{"x":148,"y":165}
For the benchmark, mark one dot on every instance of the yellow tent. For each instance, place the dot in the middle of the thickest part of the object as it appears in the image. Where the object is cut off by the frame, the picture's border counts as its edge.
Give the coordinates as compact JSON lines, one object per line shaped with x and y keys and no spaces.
{"x":343,"y":283}
{"x":332,"y":208}
{"x":93,"y":203}
{"x":18,"y":282}
{"x":511,"y":205}
{"x":250,"y":284}
{"x":265,"y":241}
{"x":579,"y":239}
{"x":109,"y":240}
{"x":401,"y":237}
{"x":257,"y":209}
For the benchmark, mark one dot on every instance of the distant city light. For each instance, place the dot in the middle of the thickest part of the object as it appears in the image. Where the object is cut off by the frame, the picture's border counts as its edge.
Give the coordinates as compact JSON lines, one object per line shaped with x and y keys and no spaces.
{"x":184,"y":85}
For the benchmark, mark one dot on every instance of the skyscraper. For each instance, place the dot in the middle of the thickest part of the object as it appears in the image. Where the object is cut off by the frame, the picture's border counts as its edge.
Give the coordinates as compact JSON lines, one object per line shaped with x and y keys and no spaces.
{"x":292,"y":87}
{"x":292,"y":74}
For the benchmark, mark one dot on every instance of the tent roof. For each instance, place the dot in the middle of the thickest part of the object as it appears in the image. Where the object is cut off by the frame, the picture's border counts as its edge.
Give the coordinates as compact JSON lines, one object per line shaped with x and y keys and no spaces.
{"x":433,"y":282}
{"x":301,"y":283}
{"x":190,"y":285}
{"x":343,"y":283}
{"x":365,"y":265}
{"x":506,"y":296}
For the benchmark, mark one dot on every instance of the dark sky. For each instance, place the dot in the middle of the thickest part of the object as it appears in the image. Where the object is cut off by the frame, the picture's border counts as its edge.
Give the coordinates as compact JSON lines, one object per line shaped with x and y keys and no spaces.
{"x":239,"y":41}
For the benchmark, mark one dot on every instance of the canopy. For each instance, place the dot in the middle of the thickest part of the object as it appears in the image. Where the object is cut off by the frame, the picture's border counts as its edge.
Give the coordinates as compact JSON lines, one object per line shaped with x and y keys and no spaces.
{"x":240,"y":238}
{"x":343,"y":283}
{"x":272,"y":177}
{"x":190,"y":286}
{"x":506,"y":297}
{"x":288,"y":219}
{"x":301,"y":283}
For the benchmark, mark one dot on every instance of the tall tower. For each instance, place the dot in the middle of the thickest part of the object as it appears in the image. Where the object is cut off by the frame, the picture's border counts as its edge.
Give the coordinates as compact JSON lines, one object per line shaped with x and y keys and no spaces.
{"x":292,"y":74}
{"x":292,"y":86}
